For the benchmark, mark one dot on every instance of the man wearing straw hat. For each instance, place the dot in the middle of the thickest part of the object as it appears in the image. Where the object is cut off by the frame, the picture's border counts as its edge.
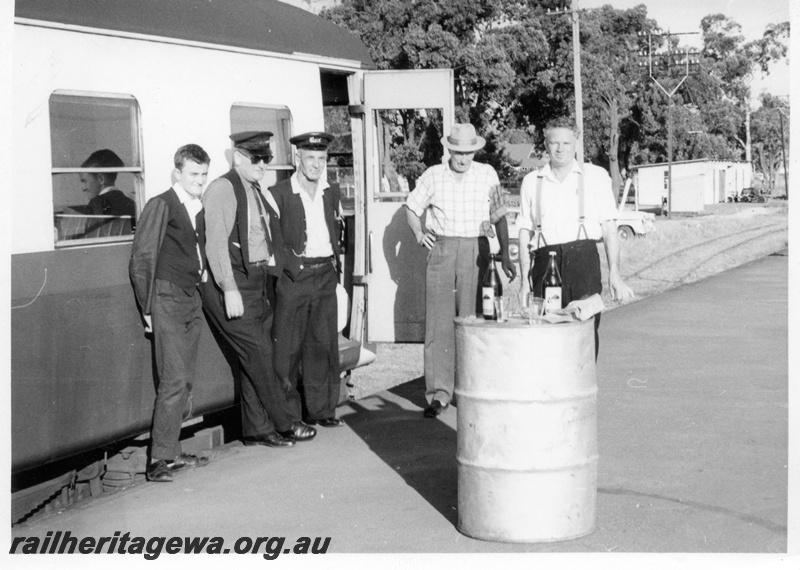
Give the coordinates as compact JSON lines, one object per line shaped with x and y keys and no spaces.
{"x":576,"y":208}
{"x":462,"y":199}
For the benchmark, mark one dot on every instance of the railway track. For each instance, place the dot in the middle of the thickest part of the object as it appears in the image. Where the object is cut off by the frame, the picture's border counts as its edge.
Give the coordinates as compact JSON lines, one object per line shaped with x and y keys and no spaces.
{"x":683,"y":264}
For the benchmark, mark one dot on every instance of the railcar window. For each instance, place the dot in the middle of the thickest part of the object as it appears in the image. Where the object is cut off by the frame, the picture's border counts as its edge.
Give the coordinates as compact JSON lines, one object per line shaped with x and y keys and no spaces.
{"x":277,"y":120}
{"x":409,"y":141}
{"x":96,"y":167}
{"x":340,"y":152}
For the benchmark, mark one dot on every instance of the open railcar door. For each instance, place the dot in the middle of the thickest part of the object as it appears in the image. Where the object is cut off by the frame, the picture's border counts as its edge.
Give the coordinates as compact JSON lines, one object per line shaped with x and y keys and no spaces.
{"x":400,"y":114}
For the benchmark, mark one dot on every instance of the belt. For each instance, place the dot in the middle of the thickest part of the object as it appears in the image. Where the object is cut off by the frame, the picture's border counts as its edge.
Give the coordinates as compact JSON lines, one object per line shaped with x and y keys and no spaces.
{"x":259,"y":263}
{"x":315,"y":262}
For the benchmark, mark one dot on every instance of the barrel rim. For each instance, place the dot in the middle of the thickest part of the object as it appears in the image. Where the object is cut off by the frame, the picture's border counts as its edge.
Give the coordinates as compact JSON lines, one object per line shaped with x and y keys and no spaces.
{"x":486,"y":396}
{"x":512,"y":323}
{"x":491,"y":538}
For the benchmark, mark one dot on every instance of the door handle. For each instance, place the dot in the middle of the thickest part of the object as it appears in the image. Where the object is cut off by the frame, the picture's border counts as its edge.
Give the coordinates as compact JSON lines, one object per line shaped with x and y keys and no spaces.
{"x":369,"y":254}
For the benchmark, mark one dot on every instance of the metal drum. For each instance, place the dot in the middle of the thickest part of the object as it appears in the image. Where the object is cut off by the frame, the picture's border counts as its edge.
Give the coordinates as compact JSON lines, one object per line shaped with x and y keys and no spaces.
{"x":527,"y":430}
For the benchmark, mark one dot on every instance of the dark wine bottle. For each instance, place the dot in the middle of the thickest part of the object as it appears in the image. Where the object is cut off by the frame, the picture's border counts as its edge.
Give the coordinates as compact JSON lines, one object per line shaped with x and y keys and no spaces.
{"x":491,"y":289}
{"x":552,"y":286}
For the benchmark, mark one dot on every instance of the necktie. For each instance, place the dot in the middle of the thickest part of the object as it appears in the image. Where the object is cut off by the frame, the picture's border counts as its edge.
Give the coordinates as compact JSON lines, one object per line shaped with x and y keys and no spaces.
{"x":257,"y":194}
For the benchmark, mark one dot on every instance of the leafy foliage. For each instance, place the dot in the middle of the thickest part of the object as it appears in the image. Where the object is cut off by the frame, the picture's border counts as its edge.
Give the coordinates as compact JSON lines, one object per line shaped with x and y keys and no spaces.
{"x":514,"y":72}
{"x":770,"y":128}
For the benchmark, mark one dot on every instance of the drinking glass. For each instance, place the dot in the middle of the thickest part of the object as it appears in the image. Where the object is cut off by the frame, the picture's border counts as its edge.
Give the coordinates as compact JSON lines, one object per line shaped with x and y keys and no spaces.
{"x":501,"y":309}
{"x":534,"y":308}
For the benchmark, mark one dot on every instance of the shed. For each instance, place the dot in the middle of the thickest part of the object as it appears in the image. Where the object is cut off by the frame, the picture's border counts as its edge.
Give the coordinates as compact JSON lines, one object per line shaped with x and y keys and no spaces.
{"x":695,"y":183}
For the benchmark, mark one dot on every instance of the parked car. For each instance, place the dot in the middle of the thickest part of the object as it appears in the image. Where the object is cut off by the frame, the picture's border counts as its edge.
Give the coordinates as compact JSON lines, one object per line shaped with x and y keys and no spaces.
{"x":748,"y":195}
{"x":633,"y":223}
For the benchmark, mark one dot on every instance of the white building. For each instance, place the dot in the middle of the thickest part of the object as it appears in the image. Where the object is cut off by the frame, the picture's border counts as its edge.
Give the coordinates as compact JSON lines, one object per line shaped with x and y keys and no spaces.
{"x":695,"y":183}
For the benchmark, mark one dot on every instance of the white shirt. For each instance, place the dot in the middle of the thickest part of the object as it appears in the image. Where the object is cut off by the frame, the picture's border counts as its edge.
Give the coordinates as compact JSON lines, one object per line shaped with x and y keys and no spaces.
{"x":193,"y":207}
{"x":318,"y":240}
{"x":560,"y":209}
{"x":107,"y":189}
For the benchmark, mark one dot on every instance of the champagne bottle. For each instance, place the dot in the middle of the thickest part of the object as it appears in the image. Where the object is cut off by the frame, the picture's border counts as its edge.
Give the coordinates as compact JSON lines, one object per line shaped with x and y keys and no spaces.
{"x":552,"y":286}
{"x":492,"y":288}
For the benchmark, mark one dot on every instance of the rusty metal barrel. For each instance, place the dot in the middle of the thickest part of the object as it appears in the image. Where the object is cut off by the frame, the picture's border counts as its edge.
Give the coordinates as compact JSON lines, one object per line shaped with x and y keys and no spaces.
{"x":526,"y":397}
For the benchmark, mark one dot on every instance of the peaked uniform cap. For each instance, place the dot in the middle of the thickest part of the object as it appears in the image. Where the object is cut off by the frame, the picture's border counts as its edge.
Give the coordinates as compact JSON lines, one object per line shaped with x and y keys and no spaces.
{"x":253,"y":141}
{"x":463,"y":138}
{"x":317,"y":140}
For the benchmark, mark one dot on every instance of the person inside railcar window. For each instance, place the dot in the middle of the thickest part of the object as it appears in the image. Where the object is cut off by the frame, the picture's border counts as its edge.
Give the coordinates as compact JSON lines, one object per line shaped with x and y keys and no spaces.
{"x":108,"y":203}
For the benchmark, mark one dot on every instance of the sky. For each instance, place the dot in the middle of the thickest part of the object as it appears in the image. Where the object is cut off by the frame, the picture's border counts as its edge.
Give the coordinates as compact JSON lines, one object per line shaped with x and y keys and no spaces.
{"x":685,"y":15}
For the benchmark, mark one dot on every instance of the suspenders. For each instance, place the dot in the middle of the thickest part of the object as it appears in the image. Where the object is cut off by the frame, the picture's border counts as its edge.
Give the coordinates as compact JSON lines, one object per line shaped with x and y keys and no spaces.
{"x":538,"y":218}
{"x":581,"y":210}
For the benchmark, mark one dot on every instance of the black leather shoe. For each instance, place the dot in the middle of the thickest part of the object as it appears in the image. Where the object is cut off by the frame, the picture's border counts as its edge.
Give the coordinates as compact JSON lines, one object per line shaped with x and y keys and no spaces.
{"x":299,"y":432}
{"x":159,"y":471}
{"x":327,"y":422}
{"x":186,"y":460}
{"x":270,"y":440}
{"x":435,"y":408}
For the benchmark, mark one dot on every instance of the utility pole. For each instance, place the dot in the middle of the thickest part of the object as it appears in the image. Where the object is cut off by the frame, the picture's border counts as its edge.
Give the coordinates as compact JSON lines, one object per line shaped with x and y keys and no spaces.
{"x":670,"y":60}
{"x":576,"y":64}
{"x":576,"y":58}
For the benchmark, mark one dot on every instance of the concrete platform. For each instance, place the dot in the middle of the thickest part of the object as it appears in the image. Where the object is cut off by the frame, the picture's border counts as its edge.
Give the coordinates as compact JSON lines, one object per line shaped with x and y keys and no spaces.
{"x":693,"y":439}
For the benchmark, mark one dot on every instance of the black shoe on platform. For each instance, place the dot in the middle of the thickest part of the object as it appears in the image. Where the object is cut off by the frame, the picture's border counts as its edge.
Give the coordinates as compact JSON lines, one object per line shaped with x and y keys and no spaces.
{"x":299,"y":432}
{"x":271,"y":440}
{"x":159,"y":471}
{"x":187,"y":460}
{"x":435,"y":408}
{"x":327,"y":422}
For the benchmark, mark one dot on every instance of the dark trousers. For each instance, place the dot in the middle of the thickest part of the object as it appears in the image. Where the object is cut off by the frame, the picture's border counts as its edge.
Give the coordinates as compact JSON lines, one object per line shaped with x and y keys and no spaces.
{"x":177,"y":322}
{"x":306,"y":341}
{"x":249,"y":337}
{"x":579,"y":266}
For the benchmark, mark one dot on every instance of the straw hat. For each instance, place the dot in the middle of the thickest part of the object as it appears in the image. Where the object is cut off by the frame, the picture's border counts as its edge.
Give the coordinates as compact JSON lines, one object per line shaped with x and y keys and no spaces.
{"x":463,"y":138}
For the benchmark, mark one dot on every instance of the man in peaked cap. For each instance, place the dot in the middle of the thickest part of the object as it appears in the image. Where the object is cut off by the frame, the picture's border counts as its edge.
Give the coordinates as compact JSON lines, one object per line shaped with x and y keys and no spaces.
{"x":304,"y":332}
{"x":463,"y":198}
{"x":242,"y":242}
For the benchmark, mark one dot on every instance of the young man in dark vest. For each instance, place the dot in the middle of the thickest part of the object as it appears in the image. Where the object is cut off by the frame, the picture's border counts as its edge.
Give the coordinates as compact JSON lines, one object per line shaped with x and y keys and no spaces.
{"x":166,"y":268}
{"x":242,"y":239}
{"x":304,"y":331}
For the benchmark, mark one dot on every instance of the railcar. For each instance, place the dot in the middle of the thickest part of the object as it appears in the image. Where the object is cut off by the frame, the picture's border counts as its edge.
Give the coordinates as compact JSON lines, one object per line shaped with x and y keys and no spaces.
{"x":143,"y":78}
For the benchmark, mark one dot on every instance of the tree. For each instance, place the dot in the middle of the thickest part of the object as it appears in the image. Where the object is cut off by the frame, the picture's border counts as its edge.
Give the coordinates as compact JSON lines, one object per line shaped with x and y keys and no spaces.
{"x":611,"y":80}
{"x":487,"y":42}
{"x":769,"y":138}
{"x":514,"y":71}
{"x":729,"y":64}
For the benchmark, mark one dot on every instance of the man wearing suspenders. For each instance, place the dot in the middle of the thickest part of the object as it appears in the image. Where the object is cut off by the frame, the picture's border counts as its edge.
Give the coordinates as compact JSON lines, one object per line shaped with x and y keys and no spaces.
{"x":567,"y":207}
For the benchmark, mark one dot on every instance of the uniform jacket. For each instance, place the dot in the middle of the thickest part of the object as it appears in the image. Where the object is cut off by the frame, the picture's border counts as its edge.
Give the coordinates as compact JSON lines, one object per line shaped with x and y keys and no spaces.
{"x":293,"y":224}
{"x":238,"y":247}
